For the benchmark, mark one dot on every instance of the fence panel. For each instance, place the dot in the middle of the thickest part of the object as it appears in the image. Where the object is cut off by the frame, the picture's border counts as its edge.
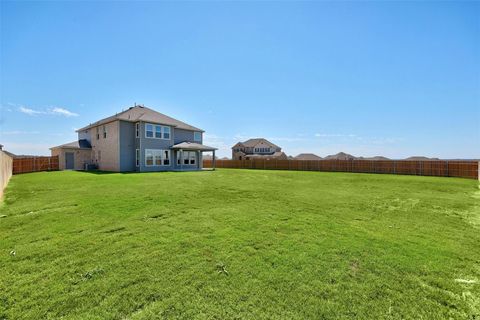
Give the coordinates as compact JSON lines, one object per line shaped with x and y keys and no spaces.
{"x":34,"y":164}
{"x":441,"y":168}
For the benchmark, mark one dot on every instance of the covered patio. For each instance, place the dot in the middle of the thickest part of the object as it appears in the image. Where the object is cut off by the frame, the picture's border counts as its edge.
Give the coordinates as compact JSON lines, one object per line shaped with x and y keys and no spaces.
{"x":195,"y":147}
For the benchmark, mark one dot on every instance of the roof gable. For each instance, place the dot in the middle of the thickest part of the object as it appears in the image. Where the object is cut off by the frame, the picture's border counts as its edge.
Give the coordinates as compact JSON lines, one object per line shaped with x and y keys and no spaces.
{"x":141,"y":113}
{"x":251,"y":143}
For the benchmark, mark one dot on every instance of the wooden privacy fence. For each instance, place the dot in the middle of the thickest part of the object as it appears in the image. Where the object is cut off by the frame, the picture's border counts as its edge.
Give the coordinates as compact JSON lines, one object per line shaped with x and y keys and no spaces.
{"x":441,"y":168}
{"x":33,"y":164}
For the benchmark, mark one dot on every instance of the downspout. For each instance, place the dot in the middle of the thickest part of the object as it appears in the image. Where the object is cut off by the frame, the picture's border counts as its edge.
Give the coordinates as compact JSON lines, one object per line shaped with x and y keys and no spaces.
{"x":140,"y":146}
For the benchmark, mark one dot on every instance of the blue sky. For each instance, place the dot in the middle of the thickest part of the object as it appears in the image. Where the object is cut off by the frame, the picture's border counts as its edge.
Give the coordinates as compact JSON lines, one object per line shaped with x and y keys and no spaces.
{"x":367,"y":78}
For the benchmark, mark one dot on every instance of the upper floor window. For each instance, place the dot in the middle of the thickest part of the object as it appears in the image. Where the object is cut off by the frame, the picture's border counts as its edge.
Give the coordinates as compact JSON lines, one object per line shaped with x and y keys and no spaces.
{"x":157,"y":131}
{"x":166,"y":133}
{"x":149,"y":130}
{"x":137,"y":130}
{"x":197,"y":136}
{"x":104,"y":132}
{"x":98,"y":133}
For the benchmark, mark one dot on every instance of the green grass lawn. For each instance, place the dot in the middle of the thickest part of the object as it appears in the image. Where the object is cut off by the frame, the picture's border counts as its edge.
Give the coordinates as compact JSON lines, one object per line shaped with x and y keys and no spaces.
{"x":239,"y":244}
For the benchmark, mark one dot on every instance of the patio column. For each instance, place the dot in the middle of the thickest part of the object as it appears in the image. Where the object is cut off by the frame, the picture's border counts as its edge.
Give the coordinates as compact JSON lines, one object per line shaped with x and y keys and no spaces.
{"x":181,"y":159}
{"x":213,"y":160}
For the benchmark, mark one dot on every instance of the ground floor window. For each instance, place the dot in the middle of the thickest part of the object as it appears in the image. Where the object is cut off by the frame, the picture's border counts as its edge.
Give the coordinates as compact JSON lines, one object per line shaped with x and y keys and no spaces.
{"x":189,"y":157}
{"x":157,"y":157}
{"x":137,"y":157}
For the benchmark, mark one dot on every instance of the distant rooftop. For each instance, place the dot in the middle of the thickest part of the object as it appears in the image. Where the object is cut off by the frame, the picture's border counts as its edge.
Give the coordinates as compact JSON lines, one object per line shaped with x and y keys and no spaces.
{"x":250,"y":143}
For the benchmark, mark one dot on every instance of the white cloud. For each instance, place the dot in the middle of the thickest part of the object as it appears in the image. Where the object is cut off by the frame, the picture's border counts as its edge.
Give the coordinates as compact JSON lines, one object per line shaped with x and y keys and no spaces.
{"x":53,"y":111}
{"x":31,"y":112}
{"x":63,"y":112}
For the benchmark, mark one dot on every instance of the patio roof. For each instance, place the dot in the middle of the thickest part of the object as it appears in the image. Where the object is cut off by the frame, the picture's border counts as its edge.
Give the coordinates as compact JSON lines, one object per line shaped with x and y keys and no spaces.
{"x":79,"y":144}
{"x":192,"y":146}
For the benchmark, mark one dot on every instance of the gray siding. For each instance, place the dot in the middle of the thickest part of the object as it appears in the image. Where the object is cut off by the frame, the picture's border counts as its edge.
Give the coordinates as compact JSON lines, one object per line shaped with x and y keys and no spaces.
{"x":185,"y":135}
{"x":127,"y":146}
{"x":152,"y":143}
{"x":129,"y":143}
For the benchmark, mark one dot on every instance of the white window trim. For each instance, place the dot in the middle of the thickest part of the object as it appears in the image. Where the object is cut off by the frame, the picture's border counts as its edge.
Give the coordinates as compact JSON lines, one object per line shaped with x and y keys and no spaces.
{"x":161,"y":151}
{"x":137,"y":130}
{"x":162,"y":132}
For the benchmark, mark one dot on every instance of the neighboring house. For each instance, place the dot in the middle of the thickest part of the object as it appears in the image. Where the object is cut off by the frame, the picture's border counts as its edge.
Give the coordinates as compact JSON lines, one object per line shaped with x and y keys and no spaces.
{"x":138,"y":139}
{"x":340,"y":156}
{"x":258,"y":148}
{"x":307,"y":156}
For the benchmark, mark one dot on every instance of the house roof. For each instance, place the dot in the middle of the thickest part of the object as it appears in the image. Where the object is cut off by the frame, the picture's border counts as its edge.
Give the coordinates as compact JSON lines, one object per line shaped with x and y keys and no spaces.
{"x":141,"y":113}
{"x":307,"y":156}
{"x":340,"y":156}
{"x":9,"y":154}
{"x":80,"y":144}
{"x":268,"y":156}
{"x":192,"y":146}
{"x":250,"y":143}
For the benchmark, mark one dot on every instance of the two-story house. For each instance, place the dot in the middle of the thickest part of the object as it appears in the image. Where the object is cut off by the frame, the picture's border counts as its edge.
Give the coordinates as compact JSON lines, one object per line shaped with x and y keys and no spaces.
{"x":138,"y":139}
{"x":257,"y":148}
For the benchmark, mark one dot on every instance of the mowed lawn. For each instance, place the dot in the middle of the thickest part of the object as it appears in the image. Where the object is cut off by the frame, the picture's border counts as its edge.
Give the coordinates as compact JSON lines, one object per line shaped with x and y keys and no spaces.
{"x":239,"y":244}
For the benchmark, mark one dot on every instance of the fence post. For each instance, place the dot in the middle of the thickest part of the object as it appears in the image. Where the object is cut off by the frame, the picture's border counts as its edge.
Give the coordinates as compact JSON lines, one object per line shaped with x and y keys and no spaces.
{"x":446,"y":171}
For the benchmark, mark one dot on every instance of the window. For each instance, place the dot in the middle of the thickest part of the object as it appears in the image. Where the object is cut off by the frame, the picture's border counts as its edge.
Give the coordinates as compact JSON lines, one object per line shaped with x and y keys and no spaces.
{"x":98,"y":133}
{"x":156,"y":157}
{"x":166,"y":133}
{"x":137,"y":157}
{"x":149,"y":130}
{"x":192,"y":157}
{"x":197,"y":136}
{"x":166,"y":157}
{"x":148,"y":157}
{"x":157,"y":131}
{"x":104,"y":132}
{"x":137,"y":130}
{"x":189,"y":157}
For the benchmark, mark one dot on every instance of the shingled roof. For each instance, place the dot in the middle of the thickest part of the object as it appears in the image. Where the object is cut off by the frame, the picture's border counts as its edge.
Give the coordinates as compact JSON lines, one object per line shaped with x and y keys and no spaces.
{"x":141,"y":113}
{"x":307,"y":156}
{"x":80,"y":144}
{"x":250,"y":143}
